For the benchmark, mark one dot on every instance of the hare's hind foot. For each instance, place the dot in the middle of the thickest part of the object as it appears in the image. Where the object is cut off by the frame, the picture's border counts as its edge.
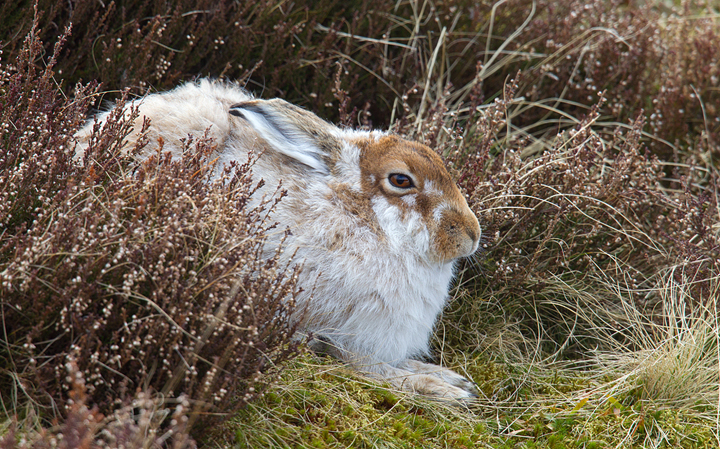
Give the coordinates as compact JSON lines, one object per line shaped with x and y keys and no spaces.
{"x":408,"y":375}
{"x":446,"y":375}
{"x":423,"y":378}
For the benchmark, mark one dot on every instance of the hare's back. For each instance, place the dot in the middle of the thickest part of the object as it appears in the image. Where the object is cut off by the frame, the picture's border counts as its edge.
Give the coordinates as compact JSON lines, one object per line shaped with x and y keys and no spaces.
{"x":192,"y":109}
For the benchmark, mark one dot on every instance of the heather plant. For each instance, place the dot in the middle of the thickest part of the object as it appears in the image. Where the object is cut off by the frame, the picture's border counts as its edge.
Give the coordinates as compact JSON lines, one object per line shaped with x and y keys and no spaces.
{"x":644,"y":57}
{"x":144,"y":277}
{"x":288,"y":51}
{"x":139,"y":423}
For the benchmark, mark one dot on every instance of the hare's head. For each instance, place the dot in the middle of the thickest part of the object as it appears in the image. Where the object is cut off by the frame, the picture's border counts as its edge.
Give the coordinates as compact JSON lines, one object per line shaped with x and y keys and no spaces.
{"x":402,"y":186}
{"x":409,"y":182}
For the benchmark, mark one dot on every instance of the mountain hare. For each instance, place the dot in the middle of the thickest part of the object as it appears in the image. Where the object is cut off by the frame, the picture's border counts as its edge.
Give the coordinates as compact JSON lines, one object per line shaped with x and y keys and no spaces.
{"x":375,"y":221}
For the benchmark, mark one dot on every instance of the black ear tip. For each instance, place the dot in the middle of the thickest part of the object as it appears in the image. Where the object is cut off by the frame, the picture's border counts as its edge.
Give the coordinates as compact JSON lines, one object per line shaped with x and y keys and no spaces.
{"x":236,"y":111}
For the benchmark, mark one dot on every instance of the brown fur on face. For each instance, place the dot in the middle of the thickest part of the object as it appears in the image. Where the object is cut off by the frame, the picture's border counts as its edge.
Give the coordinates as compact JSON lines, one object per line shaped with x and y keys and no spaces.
{"x":357,"y":205}
{"x":454,"y":229}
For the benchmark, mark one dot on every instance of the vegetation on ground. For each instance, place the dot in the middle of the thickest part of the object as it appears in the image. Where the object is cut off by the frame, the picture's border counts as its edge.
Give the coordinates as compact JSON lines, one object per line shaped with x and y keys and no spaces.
{"x":135,"y":309}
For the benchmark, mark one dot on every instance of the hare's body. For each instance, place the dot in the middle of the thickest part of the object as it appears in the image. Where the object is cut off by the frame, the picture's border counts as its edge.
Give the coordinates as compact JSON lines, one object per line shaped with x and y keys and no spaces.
{"x":375,"y":221}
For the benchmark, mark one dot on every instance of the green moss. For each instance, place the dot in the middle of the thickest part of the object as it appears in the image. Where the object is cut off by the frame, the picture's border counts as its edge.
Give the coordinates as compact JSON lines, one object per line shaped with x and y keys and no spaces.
{"x":338,"y":409}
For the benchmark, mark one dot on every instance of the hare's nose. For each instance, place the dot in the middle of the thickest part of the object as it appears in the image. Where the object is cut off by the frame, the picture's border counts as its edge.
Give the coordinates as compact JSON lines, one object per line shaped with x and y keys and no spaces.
{"x":473,"y":234}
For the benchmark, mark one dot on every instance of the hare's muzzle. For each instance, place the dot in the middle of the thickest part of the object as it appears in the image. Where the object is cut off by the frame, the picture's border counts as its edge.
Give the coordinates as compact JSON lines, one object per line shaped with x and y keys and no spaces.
{"x":472,"y":238}
{"x":458,"y":234}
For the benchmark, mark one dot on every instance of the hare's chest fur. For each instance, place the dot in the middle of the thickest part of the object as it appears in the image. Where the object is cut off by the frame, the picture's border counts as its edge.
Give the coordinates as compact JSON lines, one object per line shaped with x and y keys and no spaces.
{"x":367,"y":288}
{"x":376,"y":305}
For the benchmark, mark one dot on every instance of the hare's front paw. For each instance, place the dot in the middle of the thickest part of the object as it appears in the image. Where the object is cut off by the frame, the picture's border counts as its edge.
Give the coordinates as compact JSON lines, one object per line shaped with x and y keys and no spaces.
{"x":447,"y":376}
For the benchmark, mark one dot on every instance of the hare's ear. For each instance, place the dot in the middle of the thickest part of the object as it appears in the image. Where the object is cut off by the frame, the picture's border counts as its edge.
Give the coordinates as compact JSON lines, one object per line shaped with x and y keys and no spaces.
{"x":292,"y":131}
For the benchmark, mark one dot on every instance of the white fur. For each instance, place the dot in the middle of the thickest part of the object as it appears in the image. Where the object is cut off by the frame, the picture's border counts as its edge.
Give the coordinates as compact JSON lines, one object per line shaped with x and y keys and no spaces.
{"x":406,"y":236}
{"x":376,"y":299}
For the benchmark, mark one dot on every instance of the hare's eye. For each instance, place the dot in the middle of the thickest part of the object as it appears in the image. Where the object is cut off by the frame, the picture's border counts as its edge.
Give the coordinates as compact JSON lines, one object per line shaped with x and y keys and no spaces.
{"x":401,"y":181}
